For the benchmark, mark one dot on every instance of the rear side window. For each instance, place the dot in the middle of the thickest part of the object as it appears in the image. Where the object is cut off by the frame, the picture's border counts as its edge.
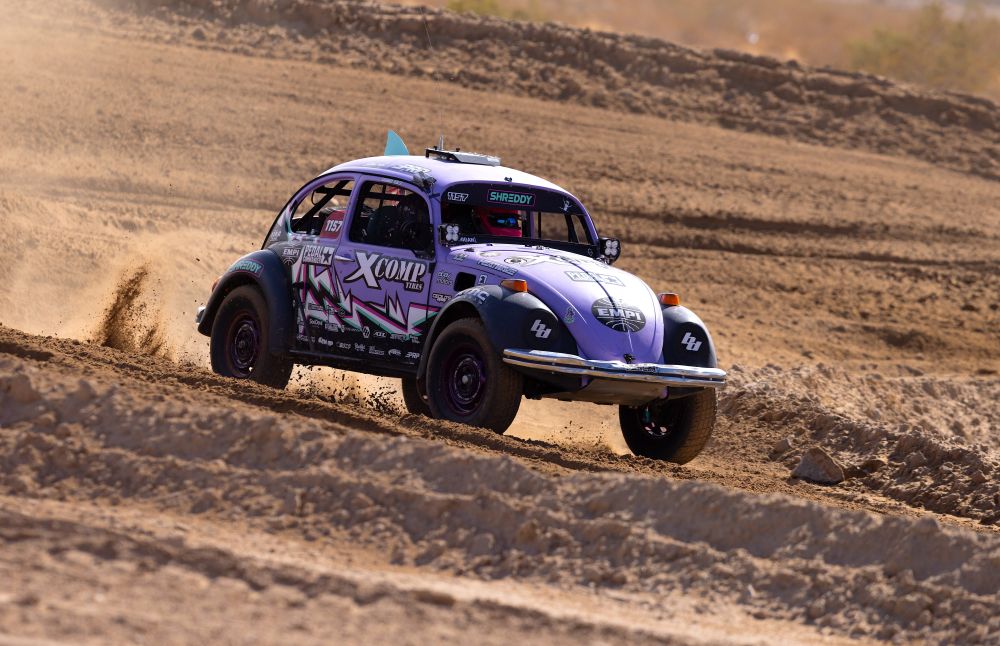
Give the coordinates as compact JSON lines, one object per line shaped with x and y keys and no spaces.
{"x":325,"y":202}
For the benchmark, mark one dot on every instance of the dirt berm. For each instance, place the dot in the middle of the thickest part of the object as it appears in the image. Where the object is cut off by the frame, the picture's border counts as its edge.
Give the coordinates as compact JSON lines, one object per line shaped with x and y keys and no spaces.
{"x":607,"y":70}
{"x":111,"y":437}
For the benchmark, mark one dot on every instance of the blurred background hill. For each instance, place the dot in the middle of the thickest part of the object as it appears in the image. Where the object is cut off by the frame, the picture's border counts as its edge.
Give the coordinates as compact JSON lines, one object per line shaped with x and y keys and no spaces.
{"x":945,"y":45}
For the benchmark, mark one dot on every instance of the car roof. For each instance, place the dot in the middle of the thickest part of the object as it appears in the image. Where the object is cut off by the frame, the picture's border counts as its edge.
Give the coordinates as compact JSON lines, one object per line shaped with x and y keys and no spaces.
{"x":411,"y":167}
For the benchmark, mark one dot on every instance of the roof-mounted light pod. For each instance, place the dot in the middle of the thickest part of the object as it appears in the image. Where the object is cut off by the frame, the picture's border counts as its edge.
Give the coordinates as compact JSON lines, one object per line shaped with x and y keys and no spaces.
{"x":669,"y":299}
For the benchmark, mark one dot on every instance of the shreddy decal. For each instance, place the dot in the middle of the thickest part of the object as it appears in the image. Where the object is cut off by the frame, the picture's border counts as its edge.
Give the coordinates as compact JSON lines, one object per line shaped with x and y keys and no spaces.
{"x":249,"y":266}
{"x":317,"y":255}
{"x":586,"y":277}
{"x":617,"y":315}
{"x":509,"y":197}
{"x":374,"y":267}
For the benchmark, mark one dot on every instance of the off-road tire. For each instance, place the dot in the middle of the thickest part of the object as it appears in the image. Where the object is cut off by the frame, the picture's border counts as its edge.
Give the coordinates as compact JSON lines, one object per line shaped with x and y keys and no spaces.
{"x":463,"y":350}
{"x":415,"y":402}
{"x":678,"y":429}
{"x":240,"y":345}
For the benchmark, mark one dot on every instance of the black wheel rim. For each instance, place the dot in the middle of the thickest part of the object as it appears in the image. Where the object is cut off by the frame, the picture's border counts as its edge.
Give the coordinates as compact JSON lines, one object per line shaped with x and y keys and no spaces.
{"x":657,"y":421}
{"x":465,"y":378}
{"x":244,"y":344}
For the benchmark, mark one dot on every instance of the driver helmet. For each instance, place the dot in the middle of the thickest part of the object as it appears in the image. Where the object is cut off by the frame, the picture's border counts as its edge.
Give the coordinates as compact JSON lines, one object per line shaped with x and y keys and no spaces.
{"x":498,"y":222}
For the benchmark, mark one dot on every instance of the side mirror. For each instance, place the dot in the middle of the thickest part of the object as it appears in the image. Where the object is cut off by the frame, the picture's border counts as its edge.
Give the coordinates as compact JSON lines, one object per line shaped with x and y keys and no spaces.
{"x":609,"y":249}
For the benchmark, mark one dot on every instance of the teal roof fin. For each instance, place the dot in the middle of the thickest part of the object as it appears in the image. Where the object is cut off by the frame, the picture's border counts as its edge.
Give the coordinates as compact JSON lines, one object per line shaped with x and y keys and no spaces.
{"x":394,"y":145}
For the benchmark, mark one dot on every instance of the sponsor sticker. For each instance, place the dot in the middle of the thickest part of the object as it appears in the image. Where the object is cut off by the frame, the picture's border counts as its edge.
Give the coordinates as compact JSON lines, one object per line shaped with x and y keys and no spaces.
{"x":477,"y":294}
{"x":412,"y":355}
{"x":511,"y":197}
{"x":375,"y":351}
{"x":589,"y":277}
{"x":375,"y":267}
{"x":618,"y":316}
{"x":317,"y":255}
{"x":457,"y":197}
{"x":444,"y":278}
{"x":441,"y":298}
{"x":499,"y":267}
{"x":333,"y":226}
{"x":395,"y":353}
{"x":290,"y":254}
{"x":248,"y":266}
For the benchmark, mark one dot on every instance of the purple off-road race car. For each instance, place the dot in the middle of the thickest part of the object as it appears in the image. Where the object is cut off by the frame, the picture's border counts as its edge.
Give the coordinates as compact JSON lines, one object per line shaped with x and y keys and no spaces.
{"x":476,"y":285}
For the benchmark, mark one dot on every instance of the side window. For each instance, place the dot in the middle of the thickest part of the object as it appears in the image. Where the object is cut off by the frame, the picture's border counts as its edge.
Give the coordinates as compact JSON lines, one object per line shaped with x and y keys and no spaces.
{"x":325,"y":202}
{"x":390,"y":216}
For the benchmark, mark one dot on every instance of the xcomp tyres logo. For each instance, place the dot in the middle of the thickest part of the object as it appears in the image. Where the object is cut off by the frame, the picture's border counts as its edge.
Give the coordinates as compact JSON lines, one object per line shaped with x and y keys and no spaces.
{"x":509,"y":197}
{"x":617,"y":315}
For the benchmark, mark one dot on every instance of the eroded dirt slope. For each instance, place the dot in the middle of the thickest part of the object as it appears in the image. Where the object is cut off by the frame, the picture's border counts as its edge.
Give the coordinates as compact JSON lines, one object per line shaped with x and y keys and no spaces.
{"x":624,"y":73}
{"x":108,"y":436}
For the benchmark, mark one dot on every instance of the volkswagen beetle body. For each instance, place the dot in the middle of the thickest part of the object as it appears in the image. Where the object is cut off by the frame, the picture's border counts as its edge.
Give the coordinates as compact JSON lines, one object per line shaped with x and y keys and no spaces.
{"x":369,"y":265}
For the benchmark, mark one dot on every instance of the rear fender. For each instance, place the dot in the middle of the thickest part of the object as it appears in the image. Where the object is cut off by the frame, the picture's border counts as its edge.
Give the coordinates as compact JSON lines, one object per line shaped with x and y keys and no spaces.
{"x":264,"y":270}
{"x":512,"y":320}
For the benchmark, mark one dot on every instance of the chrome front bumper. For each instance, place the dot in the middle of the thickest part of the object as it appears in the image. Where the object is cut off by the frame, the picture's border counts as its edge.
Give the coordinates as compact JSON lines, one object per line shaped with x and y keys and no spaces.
{"x":646,"y":373}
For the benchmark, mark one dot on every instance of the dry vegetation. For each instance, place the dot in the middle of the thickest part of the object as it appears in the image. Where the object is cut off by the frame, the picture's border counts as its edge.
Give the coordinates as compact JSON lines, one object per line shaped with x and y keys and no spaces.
{"x":934,"y":45}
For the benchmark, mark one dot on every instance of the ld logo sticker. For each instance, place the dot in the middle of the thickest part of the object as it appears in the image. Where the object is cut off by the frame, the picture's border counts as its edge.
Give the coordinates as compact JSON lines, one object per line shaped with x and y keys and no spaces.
{"x":618,"y":316}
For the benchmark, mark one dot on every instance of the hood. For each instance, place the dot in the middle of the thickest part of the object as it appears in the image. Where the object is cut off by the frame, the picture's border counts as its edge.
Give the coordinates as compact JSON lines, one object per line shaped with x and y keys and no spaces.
{"x":609,"y":312}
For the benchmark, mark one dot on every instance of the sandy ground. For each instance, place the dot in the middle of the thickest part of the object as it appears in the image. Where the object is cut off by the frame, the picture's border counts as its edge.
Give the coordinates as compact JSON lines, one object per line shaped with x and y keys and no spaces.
{"x":852,"y":286}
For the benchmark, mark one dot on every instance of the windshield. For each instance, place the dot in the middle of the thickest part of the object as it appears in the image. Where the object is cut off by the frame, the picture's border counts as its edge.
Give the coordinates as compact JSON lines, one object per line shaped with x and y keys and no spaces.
{"x":488,"y":212}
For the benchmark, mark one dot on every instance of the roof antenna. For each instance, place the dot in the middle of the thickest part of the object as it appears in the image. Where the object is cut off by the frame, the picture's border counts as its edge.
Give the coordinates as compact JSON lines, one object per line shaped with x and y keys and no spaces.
{"x":441,"y":143}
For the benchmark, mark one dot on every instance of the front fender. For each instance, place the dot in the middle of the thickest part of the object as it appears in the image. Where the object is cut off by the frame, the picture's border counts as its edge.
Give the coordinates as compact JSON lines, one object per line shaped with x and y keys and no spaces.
{"x":263,"y":269}
{"x":512,"y":320}
{"x":686,"y":341}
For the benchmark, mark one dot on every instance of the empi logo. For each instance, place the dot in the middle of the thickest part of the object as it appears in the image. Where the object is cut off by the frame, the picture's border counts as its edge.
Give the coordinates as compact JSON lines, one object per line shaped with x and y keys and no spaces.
{"x":618,"y":316}
{"x":690,"y":342}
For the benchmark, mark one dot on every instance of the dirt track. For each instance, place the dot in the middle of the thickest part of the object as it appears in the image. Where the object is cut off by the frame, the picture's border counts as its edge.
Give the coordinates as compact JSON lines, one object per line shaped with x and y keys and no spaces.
{"x":854,"y":296}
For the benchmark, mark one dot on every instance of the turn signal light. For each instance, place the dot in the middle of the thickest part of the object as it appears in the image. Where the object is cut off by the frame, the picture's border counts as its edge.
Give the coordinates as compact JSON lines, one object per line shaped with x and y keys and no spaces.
{"x":515,"y":284}
{"x":669,"y":299}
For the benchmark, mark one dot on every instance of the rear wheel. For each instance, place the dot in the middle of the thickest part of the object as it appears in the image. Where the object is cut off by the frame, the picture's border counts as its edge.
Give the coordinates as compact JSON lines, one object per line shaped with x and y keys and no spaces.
{"x":467,"y":382}
{"x":416,"y":403}
{"x":240,"y":347}
{"x":675,"y":430}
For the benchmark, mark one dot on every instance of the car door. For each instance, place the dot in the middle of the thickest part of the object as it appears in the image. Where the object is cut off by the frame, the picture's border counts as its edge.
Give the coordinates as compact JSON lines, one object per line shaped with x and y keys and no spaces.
{"x":314,"y":225}
{"x":384,"y":266}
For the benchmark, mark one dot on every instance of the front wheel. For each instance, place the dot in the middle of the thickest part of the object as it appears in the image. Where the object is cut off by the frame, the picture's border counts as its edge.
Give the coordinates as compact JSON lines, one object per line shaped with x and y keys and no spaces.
{"x":675,"y":430}
{"x":467,"y":382}
{"x":240,"y":345}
